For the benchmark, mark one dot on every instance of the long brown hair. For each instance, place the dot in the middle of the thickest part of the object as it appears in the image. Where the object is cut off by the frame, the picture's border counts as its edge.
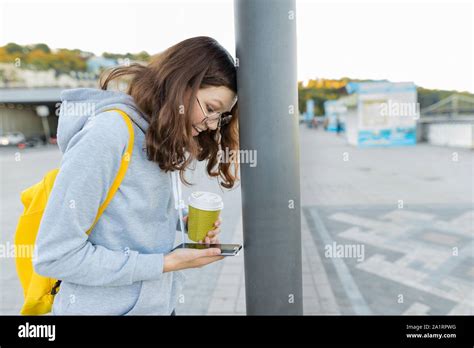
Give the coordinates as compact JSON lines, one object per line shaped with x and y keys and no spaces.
{"x":158,"y":90}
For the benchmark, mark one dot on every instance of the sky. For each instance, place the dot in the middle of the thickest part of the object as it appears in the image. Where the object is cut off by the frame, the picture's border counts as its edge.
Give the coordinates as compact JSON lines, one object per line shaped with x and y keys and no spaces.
{"x":427,"y":42}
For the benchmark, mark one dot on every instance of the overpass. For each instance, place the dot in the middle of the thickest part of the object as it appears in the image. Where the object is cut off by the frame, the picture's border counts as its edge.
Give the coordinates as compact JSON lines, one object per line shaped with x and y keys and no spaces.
{"x":21,"y":110}
{"x":449,"y":122}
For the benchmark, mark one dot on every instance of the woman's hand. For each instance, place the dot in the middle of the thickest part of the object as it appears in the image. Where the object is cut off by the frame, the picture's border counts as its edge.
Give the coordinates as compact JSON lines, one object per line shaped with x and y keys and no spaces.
{"x":183,"y":258}
{"x":212,"y":236}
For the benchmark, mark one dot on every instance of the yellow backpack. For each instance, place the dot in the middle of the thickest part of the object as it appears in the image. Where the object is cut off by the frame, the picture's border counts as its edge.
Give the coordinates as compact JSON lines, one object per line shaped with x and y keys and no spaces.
{"x":39,"y":291}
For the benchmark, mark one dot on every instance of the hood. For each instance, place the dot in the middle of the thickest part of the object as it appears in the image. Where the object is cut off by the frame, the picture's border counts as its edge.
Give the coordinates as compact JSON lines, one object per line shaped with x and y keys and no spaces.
{"x":78,"y":105}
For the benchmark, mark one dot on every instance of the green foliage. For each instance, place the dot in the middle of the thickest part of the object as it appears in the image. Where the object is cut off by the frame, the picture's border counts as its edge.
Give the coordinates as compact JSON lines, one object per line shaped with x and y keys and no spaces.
{"x":14,"y":49}
{"x":41,"y":57}
{"x":142,"y":56}
{"x":42,"y":47}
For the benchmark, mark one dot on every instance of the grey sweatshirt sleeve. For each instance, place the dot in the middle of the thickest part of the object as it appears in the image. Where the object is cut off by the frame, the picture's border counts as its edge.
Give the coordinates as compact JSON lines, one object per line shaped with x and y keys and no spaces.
{"x":88,"y":168}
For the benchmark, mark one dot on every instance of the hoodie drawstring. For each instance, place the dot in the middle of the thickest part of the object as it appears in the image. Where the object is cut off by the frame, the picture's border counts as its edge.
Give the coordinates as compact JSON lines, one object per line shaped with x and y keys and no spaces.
{"x":178,"y":202}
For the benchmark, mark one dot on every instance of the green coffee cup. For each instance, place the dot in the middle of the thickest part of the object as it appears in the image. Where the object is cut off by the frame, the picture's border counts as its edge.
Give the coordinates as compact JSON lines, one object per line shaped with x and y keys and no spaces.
{"x":204,"y":210}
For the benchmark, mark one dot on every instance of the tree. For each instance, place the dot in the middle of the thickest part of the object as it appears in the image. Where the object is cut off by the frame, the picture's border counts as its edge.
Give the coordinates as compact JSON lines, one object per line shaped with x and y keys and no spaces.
{"x":42,"y":47}
{"x":39,"y":59}
{"x":13,"y":48}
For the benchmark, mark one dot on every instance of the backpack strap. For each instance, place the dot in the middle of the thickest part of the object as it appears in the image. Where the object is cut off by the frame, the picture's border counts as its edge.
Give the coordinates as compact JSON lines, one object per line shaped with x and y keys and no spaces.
{"x":127,"y":156}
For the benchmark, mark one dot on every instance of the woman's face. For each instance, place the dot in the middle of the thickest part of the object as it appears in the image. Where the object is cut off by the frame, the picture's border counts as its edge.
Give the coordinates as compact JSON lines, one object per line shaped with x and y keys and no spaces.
{"x":212,"y":99}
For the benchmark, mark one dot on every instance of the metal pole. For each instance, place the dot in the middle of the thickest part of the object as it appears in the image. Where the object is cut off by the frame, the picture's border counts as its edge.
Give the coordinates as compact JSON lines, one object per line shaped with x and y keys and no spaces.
{"x":269,"y":118}
{"x":43,"y":112}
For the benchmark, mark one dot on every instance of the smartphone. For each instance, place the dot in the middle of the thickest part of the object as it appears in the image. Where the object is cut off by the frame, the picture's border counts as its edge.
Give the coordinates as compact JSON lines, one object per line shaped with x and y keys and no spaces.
{"x":226,"y":249}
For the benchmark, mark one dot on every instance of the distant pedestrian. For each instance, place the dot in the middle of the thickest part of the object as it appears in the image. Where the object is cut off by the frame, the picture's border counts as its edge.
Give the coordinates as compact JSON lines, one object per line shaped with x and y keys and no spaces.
{"x":338,"y":126}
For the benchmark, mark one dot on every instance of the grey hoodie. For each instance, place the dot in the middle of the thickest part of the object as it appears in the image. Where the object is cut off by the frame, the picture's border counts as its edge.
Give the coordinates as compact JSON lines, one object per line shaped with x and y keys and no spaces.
{"x":118,"y":269}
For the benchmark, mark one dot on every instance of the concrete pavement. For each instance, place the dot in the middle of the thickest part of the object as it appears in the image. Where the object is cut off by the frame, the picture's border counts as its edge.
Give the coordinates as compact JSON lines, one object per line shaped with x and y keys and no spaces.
{"x":384,"y":230}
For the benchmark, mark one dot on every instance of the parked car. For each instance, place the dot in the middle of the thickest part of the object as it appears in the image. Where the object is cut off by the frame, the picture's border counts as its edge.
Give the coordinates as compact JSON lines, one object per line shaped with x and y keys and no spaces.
{"x":34,"y":141}
{"x":12,"y":138}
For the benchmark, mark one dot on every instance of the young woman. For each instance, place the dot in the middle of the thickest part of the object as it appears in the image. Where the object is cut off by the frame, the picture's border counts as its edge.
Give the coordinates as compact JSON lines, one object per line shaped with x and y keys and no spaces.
{"x":183,"y":107}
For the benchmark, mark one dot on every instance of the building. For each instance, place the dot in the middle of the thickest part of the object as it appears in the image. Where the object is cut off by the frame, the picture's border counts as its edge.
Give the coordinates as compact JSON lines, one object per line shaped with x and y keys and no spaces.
{"x":96,"y":64}
{"x":376,"y":113}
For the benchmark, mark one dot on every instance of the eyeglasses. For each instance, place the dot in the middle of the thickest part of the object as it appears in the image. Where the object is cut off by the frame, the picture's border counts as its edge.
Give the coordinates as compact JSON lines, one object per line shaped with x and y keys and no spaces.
{"x":215,"y":120}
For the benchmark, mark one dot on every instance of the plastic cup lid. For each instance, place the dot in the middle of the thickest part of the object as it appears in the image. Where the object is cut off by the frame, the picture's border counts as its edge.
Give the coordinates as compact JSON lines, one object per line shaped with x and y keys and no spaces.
{"x":205,"y":201}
